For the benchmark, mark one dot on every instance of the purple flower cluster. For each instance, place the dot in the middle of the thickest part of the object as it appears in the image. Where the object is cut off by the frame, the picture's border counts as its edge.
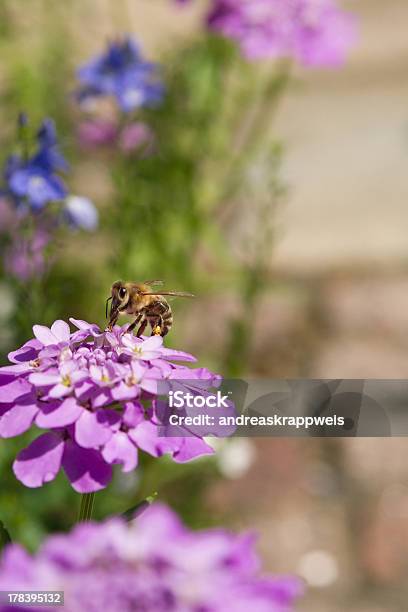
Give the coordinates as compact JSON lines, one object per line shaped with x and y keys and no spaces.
{"x":96,"y":394}
{"x":152,"y":564}
{"x":313,"y":32}
{"x":121,"y":73}
{"x":35,"y":203}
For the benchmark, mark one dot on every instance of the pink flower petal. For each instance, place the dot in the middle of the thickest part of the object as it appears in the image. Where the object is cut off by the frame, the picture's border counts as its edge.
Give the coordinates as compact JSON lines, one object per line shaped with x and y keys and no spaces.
{"x":120,"y":449}
{"x":15,"y":389}
{"x":94,"y":429}
{"x":44,"y":335}
{"x":17,"y":368}
{"x":85,"y":468}
{"x":150,"y":385}
{"x":58,"y":414}
{"x":145,"y":436}
{"x":122,"y":391}
{"x":85,"y":326}
{"x":80,"y":324}
{"x":174,"y":355}
{"x":5,"y":408}
{"x":191,"y":448}
{"x":152,"y":343}
{"x":59,"y":390}
{"x":101,"y":399}
{"x":133,"y":414}
{"x":44,"y":378}
{"x":27,"y":352}
{"x":61,"y":330}
{"x":18,"y":419}
{"x":40,"y":462}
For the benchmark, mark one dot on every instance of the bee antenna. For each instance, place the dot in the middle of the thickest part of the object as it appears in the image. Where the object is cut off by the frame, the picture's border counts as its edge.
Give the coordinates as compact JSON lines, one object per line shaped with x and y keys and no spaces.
{"x":106,"y":306}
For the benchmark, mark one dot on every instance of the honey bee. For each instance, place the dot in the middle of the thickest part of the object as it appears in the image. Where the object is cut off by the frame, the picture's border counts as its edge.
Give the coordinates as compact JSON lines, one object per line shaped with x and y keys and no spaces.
{"x":145,"y":305}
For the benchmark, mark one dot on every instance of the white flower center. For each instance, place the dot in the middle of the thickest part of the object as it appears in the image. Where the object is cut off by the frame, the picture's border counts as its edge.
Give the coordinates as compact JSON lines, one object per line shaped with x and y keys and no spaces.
{"x":36,"y":181}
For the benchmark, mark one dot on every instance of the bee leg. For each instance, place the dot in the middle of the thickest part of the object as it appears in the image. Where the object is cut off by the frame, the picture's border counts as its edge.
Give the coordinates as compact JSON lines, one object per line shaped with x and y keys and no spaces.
{"x":112,"y":322}
{"x":133,"y":325}
{"x":157,"y":326}
{"x":142,"y":328}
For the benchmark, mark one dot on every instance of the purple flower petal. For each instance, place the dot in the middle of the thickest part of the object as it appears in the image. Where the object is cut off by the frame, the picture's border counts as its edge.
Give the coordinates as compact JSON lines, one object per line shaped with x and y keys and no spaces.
{"x":58,"y":414}
{"x":152,"y":343}
{"x":146,"y":437}
{"x":149,"y":385}
{"x":122,"y":392}
{"x":94,"y":429}
{"x":40,"y":462}
{"x":44,"y":379}
{"x":101,"y":398}
{"x":60,"y":390}
{"x":133,"y":414}
{"x":44,"y":335}
{"x":92,"y":328}
{"x":120,"y":449}
{"x":27,"y":352}
{"x":49,"y":352}
{"x":85,"y":390}
{"x":18,"y":419}
{"x":174,"y":355}
{"x":6,"y":377}
{"x":17,"y":368}
{"x":61,"y":330}
{"x":191,"y":448}
{"x":12,"y":391}
{"x":85,"y":468}
{"x":5,"y":408}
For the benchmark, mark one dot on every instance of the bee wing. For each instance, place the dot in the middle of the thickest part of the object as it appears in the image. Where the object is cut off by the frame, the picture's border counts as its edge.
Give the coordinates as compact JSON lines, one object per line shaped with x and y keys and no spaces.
{"x":154,"y":282}
{"x":173,"y":293}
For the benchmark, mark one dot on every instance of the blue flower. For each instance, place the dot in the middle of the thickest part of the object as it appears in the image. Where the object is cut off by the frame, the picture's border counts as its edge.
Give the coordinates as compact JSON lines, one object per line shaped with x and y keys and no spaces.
{"x":121,"y":72}
{"x":80,"y":213}
{"x":36,"y":185}
{"x":34,"y":179}
{"x":49,"y":152}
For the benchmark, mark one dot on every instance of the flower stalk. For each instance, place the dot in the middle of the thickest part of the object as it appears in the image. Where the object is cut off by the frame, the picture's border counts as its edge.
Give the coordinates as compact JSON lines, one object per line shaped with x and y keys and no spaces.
{"x":86,"y":507}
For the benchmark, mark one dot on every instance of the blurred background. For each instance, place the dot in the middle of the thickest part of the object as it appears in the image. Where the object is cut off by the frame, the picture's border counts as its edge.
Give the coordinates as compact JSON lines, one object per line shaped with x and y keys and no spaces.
{"x":282,"y":203}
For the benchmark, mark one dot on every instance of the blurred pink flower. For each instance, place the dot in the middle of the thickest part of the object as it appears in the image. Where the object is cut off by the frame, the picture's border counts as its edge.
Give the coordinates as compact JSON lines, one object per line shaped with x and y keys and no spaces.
{"x":312,"y":32}
{"x":132,"y":137}
{"x":137,"y":135}
{"x":97,"y":132}
{"x":25,"y":258}
{"x":152,"y":564}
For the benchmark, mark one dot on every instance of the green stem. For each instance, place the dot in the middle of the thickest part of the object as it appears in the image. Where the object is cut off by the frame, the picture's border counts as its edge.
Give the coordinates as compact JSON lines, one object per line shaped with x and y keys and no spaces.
{"x":87,"y":503}
{"x":271,"y":94}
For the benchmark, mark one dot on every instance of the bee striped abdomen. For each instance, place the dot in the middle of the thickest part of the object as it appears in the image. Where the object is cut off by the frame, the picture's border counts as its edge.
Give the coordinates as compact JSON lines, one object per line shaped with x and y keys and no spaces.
{"x":167,"y":322}
{"x":160,"y":317}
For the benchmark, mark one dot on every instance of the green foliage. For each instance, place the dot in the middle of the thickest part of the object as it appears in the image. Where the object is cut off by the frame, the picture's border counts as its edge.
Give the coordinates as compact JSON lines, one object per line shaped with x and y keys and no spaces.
{"x":4,"y":536}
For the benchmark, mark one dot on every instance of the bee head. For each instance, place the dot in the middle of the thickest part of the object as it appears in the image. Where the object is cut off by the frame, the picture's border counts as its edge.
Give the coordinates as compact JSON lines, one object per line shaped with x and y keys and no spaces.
{"x":120,"y":298}
{"x":119,"y":292}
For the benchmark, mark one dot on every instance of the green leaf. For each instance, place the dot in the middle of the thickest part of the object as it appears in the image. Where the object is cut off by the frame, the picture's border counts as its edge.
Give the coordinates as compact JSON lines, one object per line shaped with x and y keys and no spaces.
{"x":137,"y":510}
